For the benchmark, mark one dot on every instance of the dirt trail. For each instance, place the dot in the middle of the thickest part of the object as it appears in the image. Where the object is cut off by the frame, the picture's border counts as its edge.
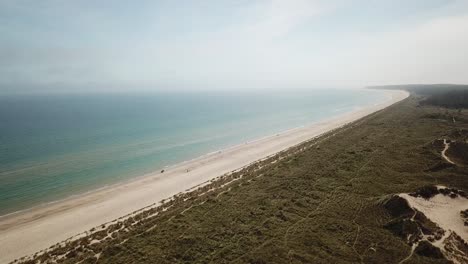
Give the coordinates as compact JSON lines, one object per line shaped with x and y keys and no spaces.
{"x":447,"y":145}
{"x":413,"y":247}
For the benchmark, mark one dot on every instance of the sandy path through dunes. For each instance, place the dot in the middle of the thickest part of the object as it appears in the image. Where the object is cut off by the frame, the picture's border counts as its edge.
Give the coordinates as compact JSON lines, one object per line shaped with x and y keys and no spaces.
{"x":446,"y":147}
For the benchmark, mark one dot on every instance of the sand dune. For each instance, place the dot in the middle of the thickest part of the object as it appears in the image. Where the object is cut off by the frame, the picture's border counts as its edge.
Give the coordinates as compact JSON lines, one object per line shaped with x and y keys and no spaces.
{"x":28,"y":232}
{"x":444,"y":210}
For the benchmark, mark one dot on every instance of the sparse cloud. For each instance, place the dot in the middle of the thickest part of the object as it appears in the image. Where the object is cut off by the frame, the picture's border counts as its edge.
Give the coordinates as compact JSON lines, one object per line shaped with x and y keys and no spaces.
{"x":276,"y":18}
{"x":233,"y":44}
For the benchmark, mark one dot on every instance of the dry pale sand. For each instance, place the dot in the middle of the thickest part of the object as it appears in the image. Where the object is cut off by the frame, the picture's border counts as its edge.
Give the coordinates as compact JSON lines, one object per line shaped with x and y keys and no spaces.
{"x":442,"y":210}
{"x":31,"y":231}
{"x":446,"y":147}
{"x":445,"y":212}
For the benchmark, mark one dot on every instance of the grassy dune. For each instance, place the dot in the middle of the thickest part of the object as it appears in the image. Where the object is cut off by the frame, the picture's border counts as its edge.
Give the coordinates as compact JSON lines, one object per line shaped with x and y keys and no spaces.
{"x":319,"y":202}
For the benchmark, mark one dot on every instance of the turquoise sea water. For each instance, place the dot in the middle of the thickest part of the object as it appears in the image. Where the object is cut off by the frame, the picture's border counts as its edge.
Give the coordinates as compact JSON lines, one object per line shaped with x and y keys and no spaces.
{"x":54,"y":146}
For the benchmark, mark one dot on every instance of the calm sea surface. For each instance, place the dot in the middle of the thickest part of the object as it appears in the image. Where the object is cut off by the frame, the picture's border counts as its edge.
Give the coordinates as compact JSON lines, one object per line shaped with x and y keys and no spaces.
{"x":54,"y":146}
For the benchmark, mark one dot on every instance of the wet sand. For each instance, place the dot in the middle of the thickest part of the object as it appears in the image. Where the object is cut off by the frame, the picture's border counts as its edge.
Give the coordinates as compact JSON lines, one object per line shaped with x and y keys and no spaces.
{"x":36,"y":229}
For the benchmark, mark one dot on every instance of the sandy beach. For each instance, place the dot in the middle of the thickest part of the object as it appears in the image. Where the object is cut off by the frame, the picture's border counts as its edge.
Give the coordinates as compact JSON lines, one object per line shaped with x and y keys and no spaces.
{"x":33,"y":230}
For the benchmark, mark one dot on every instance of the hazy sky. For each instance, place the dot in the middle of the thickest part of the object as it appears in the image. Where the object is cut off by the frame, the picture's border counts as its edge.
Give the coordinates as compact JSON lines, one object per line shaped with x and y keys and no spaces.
{"x":118,"y":45}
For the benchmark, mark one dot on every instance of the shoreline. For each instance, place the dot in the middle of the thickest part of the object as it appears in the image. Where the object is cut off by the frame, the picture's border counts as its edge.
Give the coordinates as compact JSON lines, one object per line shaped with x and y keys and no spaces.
{"x":151,"y":172}
{"x":30,"y":231}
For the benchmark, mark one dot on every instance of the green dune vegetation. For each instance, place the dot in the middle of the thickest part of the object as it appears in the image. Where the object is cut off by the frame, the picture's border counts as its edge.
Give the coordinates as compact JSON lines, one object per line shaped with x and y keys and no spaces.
{"x":329,"y":200}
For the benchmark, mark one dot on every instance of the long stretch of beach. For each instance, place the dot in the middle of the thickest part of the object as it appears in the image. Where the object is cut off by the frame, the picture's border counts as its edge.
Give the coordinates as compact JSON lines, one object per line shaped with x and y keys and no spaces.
{"x":30,"y":231}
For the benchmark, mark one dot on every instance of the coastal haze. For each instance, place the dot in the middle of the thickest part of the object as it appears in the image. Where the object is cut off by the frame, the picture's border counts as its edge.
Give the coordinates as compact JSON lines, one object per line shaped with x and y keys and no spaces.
{"x":222,"y":131}
{"x":76,"y":46}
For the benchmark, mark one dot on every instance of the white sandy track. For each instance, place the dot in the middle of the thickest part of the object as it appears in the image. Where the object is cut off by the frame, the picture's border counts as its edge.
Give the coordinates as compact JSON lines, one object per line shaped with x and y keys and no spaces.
{"x":31,"y":231}
{"x":446,"y":147}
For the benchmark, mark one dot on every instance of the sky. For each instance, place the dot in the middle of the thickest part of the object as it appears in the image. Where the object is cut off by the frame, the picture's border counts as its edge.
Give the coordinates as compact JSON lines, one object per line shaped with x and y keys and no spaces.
{"x":87,"y":45}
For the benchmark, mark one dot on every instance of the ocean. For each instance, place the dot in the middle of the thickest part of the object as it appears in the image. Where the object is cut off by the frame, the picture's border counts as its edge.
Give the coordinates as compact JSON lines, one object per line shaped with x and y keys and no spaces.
{"x":57,"y":145}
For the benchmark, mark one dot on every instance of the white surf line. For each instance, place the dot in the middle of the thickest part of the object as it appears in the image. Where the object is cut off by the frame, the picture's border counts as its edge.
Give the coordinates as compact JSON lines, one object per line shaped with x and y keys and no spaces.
{"x":447,"y":145}
{"x":37,"y":229}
